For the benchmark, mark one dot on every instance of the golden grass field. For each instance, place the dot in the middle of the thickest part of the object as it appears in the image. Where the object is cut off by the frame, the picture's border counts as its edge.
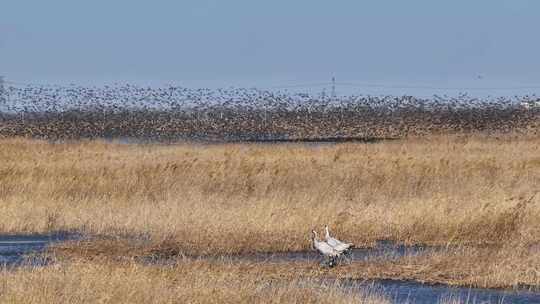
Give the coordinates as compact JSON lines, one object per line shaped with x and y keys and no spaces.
{"x":449,"y":190}
{"x":475,"y":194}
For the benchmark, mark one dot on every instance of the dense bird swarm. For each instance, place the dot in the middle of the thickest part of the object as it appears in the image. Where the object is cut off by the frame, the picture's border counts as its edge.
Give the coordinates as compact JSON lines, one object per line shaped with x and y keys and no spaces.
{"x":174,"y":113}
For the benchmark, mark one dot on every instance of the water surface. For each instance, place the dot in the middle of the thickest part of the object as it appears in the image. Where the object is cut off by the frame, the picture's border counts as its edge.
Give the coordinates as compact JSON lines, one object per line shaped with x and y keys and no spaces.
{"x":17,"y":249}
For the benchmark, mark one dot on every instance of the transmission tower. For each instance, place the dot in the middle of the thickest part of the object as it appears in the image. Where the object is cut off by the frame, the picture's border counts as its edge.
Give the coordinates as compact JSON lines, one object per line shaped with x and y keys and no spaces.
{"x":333,"y":96}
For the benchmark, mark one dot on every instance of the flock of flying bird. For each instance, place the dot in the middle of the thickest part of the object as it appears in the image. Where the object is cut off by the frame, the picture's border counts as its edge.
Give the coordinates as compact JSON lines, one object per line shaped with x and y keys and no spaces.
{"x":331,"y":249}
{"x":172,"y":113}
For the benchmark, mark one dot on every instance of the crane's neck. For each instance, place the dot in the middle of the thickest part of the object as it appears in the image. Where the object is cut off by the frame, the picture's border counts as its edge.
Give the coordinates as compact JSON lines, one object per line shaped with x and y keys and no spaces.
{"x":327,"y":232}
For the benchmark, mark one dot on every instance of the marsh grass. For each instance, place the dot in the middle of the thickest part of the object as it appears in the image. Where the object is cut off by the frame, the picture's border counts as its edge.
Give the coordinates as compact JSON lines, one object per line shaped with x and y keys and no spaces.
{"x":212,"y":199}
{"x":475,"y":195}
{"x":514,"y":266}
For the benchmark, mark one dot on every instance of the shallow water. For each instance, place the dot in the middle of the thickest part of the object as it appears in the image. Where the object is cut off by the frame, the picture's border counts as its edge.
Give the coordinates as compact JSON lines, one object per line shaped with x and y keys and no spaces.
{"x":15,"y":249}
{"x":386,"y":250}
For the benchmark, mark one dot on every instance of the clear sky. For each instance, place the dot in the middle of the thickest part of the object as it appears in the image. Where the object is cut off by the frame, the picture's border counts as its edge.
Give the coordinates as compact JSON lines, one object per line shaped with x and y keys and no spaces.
{"x":460,"y":43}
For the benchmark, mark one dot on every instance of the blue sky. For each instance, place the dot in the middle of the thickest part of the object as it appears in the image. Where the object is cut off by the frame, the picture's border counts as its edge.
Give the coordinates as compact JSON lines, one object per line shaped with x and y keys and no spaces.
{"x":201,"y":43}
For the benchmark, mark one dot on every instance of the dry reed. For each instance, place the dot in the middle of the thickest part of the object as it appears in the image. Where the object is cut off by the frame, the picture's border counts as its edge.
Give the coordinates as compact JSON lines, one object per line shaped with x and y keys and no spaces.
{"x":207,"y":199}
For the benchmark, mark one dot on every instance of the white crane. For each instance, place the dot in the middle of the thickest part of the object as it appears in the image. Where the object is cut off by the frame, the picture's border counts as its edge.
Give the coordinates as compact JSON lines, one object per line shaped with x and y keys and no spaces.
{"x":338,"y":245}
{"x":325,"y":249}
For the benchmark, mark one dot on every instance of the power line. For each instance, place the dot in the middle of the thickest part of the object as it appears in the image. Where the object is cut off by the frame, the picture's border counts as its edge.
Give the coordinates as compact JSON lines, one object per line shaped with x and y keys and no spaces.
{"x":333,"y":85}
{"x":428,"y":87}
{"x":301,"y":85}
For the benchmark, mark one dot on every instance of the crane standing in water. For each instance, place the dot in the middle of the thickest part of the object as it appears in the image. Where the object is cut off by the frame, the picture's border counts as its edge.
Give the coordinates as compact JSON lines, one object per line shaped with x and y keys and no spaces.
{"x":335,"y":243}
{"x":330,"y":254}
{"x":339,"y":246}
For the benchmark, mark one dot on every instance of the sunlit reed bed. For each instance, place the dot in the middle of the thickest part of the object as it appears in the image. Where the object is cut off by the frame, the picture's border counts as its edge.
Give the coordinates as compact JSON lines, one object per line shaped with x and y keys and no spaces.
{"x":445,"y":190}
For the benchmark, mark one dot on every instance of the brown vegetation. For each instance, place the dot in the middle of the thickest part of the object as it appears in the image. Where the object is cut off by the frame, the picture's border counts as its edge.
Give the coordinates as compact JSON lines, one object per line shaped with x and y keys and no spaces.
{"x":209,"y":199}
